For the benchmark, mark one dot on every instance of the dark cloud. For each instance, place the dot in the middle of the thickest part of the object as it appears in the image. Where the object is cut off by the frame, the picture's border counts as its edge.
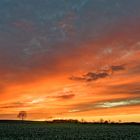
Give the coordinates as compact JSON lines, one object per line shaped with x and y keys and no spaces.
{"x":93,"y":76}
{"x":13,"y":105}
{"x":118,"y":68}
{"x":29,"y":50}
{"x":77,"y":78}
{"x":65,"y":96}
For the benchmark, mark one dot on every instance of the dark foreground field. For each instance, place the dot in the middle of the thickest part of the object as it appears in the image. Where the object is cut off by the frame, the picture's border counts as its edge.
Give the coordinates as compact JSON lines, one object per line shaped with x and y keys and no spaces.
{"x":67,"y":131}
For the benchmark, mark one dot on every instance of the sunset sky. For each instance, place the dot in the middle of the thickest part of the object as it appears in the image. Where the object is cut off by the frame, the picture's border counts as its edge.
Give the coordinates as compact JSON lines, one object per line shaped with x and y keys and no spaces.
{"x":64,"y":59}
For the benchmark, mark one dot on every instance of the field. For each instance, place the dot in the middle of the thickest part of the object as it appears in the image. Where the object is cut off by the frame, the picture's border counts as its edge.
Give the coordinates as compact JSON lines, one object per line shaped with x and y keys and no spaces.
{"x":68,"y":131}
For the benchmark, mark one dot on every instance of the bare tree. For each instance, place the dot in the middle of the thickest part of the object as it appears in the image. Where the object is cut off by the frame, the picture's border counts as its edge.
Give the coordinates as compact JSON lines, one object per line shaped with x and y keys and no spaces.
{"x":22,"y":115}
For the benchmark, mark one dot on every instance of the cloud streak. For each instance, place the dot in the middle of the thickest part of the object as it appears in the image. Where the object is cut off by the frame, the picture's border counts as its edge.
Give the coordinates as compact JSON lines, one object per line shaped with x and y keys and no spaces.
{"x":66,"y":96}
{"x":118,"y":103}
{"x":104,"y":105}
{"x":104,"y":73}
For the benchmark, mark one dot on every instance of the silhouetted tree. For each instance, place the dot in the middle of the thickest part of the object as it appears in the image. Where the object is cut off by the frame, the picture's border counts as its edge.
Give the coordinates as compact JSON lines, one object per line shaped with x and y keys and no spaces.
{"x":120,"y":121}
{"x":82,"y":120}
{"x":22,"y":115}
{"x":106,"y":122}
{"x":101,"y":120}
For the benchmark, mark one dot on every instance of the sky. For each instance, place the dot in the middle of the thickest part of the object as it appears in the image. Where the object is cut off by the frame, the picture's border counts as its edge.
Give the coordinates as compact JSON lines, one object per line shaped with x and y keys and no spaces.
{"x":62,"y":59}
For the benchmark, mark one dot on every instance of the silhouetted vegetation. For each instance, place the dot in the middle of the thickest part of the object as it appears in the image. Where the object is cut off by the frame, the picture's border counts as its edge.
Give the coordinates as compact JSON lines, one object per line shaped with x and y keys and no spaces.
{"x":66,"y":121}
{"x":56,"y":130}
{"x":22,"y":115}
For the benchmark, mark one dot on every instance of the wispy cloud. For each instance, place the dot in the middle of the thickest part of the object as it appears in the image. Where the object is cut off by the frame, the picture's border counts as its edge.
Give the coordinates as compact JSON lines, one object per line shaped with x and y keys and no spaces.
{"x":88,"y":106}
{"x":118,"y":103}
{"x":65,"y":96}
{"x":96,"y":41}
{"x":13,"y":105}
{"x":103,"y":73}
{"x":118,"y":68}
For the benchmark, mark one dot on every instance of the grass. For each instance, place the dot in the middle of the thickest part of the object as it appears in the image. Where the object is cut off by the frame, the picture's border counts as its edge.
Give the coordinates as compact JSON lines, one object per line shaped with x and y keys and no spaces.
{"x":15,"y":130}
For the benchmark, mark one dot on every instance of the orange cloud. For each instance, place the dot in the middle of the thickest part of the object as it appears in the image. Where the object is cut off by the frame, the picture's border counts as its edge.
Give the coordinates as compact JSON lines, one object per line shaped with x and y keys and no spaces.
{"x":43,"y":84}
